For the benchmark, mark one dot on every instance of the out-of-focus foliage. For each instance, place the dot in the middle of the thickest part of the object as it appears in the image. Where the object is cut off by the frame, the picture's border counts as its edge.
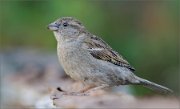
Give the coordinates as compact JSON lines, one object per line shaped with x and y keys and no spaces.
{"x":144,"y":32}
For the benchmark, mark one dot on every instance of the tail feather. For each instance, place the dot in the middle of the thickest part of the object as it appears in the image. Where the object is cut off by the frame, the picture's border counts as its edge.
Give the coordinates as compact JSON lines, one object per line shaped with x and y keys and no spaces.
{"x":153,"y":86}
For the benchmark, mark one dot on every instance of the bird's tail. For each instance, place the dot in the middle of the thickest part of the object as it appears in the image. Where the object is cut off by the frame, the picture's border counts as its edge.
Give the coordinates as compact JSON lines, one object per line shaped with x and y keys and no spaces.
{"x":153,"y":86}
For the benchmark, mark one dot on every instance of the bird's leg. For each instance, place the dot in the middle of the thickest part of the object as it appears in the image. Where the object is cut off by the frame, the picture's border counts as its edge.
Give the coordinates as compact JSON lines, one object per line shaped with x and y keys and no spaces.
{"x":91,"y":88}
{"x":98,"y":88}
{"x":87,"y":88}
{"x":54,"y":96}
{"x":82,"y":92}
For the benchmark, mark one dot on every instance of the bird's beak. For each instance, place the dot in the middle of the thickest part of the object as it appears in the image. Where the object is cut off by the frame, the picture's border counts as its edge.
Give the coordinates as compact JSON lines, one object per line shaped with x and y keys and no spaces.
{"x":53,"y":27}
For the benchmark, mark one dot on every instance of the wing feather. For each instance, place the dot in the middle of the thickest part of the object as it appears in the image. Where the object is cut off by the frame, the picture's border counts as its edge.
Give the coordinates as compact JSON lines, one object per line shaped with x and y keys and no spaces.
{"x":100,"y":50}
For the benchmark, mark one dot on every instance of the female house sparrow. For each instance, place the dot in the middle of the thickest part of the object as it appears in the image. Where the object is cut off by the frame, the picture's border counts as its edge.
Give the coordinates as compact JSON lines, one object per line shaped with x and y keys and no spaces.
{"x":87,"y":58}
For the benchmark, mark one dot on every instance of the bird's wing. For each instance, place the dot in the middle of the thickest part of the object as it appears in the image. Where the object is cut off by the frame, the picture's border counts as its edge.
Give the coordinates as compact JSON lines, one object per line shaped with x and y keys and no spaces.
{"x":100,"y":50}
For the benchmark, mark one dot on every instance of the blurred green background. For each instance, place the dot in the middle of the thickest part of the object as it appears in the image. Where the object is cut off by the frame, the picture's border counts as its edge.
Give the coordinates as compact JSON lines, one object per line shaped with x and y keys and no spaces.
{"x":144,"y":32}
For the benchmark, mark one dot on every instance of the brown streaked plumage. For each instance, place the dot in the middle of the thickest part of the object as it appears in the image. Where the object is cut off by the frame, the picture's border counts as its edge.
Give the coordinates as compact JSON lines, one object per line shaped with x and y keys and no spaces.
{"x":101,"y":50}
{"x":87,"y":58}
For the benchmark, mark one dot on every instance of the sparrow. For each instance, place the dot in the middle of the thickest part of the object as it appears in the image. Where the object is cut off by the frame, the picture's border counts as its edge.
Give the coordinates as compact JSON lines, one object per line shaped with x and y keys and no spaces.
{"x":87,"y":58}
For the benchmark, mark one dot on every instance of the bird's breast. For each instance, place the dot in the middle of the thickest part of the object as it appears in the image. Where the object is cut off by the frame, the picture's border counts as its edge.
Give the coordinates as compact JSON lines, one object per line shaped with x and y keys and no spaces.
{"x":74,"y":60}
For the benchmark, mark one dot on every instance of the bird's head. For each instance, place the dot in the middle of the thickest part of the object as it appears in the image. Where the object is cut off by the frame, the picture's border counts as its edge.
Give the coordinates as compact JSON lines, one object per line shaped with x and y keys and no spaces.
{"x":66,"y":27}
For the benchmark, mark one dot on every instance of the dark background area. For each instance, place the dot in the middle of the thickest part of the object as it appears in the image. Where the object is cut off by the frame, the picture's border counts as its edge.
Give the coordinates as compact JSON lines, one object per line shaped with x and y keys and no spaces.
{"x":144,"y":32}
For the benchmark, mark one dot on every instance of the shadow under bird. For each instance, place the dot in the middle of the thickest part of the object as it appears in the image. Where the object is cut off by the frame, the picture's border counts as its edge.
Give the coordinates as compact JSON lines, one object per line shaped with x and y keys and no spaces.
{"x":87,"y":58}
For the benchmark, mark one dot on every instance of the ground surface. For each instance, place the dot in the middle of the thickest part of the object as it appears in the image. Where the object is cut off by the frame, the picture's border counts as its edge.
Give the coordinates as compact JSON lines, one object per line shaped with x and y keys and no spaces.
{"x":29,"y":79}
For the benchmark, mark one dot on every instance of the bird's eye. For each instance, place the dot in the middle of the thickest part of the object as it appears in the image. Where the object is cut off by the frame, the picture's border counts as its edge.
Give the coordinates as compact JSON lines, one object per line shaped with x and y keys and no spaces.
{"x":65,"y":24}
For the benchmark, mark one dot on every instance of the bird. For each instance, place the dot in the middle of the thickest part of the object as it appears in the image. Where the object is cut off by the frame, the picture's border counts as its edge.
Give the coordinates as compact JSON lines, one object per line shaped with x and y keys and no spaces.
{"x":87,"y":58}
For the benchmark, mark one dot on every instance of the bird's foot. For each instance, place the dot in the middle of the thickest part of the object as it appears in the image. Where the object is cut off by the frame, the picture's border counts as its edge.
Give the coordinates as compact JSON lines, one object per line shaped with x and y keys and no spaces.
{"x":97,"y":88}
{"x":58,"y":93}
